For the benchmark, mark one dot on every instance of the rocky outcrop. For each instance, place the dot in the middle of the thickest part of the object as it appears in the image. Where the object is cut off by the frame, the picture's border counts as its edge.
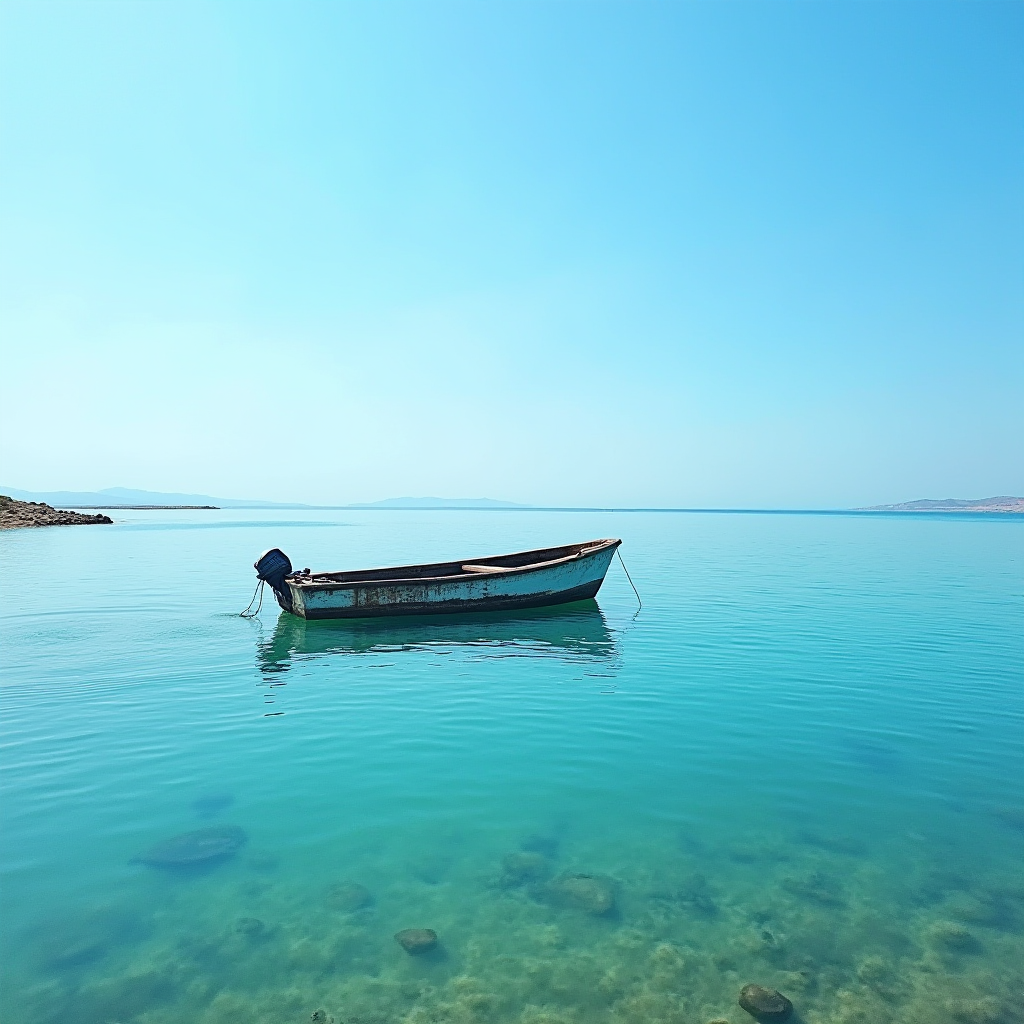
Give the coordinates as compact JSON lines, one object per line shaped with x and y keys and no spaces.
{"x":17,"y":514}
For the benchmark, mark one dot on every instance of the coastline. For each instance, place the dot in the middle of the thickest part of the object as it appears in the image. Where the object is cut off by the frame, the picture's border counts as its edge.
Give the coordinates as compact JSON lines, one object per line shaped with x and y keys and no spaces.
{"x":18,"y":515}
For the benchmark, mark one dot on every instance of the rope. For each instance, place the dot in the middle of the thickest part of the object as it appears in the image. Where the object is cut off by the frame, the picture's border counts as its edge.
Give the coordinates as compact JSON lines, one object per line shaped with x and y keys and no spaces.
{"x":628,"y":577}
{"x":247,"y":614}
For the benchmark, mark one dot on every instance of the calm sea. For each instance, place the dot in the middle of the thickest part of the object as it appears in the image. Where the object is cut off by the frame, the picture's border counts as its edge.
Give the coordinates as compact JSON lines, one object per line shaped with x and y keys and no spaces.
{"x":801,"y":765}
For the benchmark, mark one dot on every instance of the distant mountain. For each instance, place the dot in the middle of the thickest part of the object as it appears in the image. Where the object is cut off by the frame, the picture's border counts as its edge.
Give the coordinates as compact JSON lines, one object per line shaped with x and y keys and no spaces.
{"x":438,"y":503}
{"x":1003,"y":503}
{"x":113,"y":496}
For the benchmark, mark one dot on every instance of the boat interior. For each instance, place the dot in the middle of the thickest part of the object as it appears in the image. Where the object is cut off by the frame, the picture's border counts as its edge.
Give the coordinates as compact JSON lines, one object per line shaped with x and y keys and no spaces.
{"x":520,"y":561}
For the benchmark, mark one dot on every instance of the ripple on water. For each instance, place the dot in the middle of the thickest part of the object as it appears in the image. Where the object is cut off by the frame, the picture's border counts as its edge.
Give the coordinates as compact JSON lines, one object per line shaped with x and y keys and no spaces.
{"x":803,"y":778}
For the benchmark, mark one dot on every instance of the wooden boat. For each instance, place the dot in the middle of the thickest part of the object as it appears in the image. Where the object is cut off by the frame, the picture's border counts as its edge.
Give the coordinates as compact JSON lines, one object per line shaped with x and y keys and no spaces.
{"x":526,"y":579}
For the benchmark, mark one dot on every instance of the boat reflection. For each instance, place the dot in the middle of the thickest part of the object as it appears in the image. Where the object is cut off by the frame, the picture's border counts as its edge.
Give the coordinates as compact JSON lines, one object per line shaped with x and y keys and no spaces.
{"x":576,"y":633}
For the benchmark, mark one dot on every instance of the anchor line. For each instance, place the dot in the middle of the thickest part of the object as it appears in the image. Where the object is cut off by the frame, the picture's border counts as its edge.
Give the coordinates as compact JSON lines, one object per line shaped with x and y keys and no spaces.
{"x":247,"y":614}
{"x":628,"y":577}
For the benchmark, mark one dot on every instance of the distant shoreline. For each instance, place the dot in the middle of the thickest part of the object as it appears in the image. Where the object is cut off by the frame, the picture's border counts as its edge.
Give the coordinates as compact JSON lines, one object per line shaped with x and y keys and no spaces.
{"x":126,"y":499}
{"x":1000,"y":505}
{"x":122,"y":508}
{"x":994,"y":513}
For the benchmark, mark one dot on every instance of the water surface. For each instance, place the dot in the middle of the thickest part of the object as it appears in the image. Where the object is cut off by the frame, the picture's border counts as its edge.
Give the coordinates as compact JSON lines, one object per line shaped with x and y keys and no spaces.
{"x":801,"y":765}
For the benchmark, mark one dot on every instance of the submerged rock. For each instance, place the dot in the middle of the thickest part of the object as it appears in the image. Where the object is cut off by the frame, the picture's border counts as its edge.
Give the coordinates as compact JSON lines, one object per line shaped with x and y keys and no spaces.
{"x":765,"y":1004}
{"x":320,"y":1017}
{"x":524,"y":866}
{"x":251,"y":926}
{"x":593,"y":894}
{"x":349,"y":896}
{"x":416,"y":940}
{"x":204,"y":846}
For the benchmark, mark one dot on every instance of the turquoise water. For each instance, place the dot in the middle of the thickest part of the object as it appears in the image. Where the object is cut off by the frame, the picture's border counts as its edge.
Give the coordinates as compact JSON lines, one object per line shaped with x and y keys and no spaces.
{"x":801,"y":765}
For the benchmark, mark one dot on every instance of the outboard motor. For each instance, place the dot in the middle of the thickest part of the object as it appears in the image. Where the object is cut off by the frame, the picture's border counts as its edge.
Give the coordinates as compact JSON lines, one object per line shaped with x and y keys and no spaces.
{"x":272,"y":567}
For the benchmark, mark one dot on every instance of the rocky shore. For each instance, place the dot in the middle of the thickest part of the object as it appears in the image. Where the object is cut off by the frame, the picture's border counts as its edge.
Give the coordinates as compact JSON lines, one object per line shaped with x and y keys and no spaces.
{"x":17,"y":514}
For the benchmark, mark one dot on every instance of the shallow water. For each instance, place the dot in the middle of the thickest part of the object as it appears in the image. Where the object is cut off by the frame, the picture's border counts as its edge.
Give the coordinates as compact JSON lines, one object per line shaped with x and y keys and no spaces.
{"x":801,"y":765}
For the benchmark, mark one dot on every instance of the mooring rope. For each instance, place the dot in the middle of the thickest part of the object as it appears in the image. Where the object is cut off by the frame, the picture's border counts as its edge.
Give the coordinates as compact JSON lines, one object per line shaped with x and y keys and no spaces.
{"x":247,"y":614}
{"x":628,"y":577}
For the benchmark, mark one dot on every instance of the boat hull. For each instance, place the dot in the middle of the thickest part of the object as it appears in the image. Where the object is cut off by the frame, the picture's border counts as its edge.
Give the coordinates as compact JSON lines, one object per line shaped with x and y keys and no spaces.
{"x":561,"y":581}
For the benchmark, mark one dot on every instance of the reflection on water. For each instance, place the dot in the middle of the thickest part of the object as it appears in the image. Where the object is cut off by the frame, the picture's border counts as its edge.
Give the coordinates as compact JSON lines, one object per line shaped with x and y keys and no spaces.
{"x":576,"y":632}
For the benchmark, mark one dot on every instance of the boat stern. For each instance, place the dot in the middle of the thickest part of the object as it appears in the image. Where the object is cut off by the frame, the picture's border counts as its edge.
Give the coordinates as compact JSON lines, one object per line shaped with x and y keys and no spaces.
{"x":272,"y":567}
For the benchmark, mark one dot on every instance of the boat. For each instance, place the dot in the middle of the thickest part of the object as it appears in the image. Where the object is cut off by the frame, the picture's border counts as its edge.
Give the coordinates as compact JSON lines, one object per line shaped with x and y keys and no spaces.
{"x":526,"y":579}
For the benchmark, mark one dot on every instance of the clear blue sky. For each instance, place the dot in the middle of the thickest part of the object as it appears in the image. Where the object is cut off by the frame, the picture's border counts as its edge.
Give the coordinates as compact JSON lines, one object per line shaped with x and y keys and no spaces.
{"x":638,"y":253}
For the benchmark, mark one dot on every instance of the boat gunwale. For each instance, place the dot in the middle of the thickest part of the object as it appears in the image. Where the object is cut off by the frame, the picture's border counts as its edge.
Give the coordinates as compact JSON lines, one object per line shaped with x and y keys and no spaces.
{"x":587,"y":548}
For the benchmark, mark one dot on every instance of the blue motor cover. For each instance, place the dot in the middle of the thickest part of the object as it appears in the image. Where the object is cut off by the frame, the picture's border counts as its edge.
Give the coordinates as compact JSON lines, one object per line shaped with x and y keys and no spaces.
{"x":273,"y":566}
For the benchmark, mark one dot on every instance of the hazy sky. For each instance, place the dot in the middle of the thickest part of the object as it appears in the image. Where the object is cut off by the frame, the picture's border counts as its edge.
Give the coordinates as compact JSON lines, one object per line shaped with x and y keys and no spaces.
{"x":631,"y":253}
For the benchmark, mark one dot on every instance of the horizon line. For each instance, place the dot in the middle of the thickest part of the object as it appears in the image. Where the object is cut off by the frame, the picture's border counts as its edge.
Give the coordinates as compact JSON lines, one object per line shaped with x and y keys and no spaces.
{"x":286,"y":507}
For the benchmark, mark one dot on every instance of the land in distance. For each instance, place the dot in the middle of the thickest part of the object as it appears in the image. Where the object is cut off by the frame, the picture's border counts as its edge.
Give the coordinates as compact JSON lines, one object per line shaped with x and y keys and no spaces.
{"x":1002,"y":503}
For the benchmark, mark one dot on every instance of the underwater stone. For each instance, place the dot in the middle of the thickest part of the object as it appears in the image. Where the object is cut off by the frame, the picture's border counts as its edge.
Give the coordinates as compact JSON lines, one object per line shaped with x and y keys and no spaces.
{"x":204,"y":846}
{"x":765,"y":1003}
{"x":320,"y":1017}
{"x":416,"y":940}
{"x":590,"y":893}
{"x":523,"y":866}
{"x":251,"y":926}
{"x":349,"y":896}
